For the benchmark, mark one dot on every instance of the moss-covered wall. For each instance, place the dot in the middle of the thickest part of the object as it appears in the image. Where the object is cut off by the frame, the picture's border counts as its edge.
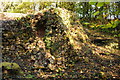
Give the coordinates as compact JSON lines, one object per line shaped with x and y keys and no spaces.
{"x":63,"y":38}
{"x":64,"y":35}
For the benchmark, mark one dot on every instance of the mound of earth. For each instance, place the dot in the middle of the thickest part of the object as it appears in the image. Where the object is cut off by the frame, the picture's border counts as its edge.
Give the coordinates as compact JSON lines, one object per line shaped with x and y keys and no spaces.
{"x":53,"y":43}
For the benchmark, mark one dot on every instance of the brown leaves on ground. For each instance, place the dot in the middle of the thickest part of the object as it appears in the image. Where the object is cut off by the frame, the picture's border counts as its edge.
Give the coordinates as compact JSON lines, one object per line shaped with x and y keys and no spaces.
{"x":65,"y":51}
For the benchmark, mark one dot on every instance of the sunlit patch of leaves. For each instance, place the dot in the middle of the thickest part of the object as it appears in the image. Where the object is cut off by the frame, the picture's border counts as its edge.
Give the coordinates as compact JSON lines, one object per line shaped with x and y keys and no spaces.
{"x":65,"y":39}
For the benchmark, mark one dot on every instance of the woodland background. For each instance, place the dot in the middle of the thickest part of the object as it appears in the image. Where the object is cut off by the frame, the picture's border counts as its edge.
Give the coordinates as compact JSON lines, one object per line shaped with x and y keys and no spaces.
{"x":61,"y":40}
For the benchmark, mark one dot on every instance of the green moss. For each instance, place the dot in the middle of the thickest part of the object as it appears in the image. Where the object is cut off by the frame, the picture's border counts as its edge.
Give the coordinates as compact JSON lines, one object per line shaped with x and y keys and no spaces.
{"x":13,"y":68}
{"x":8,"y":65}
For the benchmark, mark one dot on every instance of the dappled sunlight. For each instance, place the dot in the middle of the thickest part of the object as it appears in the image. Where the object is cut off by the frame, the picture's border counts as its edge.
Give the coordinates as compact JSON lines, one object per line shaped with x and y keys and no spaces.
{"x":53,"y":41}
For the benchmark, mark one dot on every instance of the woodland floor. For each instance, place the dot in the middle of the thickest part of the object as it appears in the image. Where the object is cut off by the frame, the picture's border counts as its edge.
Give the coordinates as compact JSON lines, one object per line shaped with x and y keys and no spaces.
{"x":90,"y":66}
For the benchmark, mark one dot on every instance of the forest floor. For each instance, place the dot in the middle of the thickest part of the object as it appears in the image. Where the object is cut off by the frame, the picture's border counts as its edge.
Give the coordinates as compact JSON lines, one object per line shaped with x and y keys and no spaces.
{"x":99,"y":64}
